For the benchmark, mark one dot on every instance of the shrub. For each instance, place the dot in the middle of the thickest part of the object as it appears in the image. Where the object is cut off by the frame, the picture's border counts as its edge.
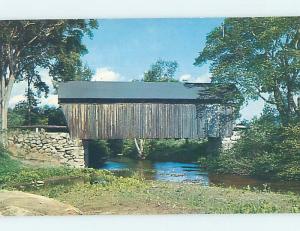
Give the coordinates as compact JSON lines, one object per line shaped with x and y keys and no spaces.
{"x":98,"y":152}
{"x":167,"y":149}
{"x":265,"y":150}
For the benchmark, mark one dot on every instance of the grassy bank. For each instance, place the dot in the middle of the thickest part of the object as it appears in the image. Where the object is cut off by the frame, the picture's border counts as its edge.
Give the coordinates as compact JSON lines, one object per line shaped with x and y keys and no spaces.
{"x":100,"y":192}
{"x":133,"y":196}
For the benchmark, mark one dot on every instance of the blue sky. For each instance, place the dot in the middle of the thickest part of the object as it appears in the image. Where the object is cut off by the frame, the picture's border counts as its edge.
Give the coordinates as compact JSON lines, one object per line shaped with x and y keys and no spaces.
{"x":130,"y":46}
{"x":123,"y":49}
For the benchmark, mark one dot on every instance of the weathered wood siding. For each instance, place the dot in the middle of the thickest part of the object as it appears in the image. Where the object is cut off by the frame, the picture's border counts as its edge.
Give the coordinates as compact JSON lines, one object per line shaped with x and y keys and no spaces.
{"x":147,"y":120}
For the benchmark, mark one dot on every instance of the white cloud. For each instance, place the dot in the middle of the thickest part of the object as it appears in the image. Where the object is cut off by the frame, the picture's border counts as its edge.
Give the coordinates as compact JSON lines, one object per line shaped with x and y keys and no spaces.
{"x":50,"y":100}
{"x":206,"y":78}
{"x":18,"y":92}
{"x":19,"y":89}
{"x":16,"y":99}
{"x":47,"y":79}
{"x":106,"y":74}
{"x":185,"y":78}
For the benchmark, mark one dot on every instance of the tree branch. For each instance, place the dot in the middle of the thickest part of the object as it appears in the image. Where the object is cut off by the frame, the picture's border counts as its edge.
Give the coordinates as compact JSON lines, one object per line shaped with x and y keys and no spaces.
{"x":42,"y":33}
{"x":259,"y":93}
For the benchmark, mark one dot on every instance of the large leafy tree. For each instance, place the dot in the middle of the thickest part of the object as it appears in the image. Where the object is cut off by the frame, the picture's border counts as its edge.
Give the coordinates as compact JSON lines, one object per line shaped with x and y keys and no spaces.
{"x":161,"y":71}
{"x":27,"y":46}
{"x":261,"y":57}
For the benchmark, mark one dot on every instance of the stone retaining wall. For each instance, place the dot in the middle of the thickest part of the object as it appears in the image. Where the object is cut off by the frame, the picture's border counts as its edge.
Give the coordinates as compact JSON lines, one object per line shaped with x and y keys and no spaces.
{"x":228,"y":142}
{"x":52,"y":148}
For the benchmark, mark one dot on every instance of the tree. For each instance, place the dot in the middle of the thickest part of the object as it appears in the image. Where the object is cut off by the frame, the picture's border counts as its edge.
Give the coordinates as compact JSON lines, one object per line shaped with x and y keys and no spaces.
{"x":28,"y":46}
{"x":161,"y":71}
{"x":34,"y":82}
{"x":45,"y":115}
{"x":261,"y":57}
{"x":19,"y":116}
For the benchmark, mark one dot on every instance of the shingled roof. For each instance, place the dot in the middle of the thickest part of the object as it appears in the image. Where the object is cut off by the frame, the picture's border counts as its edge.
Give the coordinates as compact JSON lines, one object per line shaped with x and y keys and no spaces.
{"x":85,"y":91}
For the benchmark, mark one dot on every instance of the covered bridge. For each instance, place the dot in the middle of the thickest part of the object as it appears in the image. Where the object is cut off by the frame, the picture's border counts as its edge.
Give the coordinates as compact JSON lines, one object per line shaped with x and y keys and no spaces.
{"x":120,"y":110}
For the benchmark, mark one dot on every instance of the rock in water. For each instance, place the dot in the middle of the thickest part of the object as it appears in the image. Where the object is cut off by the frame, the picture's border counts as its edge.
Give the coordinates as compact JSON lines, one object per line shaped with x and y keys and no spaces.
{"x":15,"y":203}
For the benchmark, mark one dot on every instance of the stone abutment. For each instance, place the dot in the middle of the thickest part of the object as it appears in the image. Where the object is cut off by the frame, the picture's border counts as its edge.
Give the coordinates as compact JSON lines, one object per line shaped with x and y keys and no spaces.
{"x":52,"y":148}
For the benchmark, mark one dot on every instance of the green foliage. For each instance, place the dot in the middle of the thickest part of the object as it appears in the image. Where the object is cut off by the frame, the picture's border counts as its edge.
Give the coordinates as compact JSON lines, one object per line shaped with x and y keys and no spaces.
{"x":16,"y":118}
{"x":115,"y":146}
{"x":267,"y":150}
{"x":26,"y":175}
{"x":46,"y":115}
{"x":54,"y":115}
{"x":8,"y":165}
{"x":53,"y":44}
{"x":260,"y":56}
{"x":129,"y":149}
{"x":29,"y":46}
{"x":290,"y":152}
{"x":161,"y":71}
{"x":167,"y":149}
{"x":158,"y":150}
{"x":98,"y":152}
{"x":176,"y":150}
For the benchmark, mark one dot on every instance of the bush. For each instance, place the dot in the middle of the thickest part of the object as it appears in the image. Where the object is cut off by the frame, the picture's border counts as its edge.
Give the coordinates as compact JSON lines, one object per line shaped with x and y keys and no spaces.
{"x":266,"y":150}
{"x":176,"y":150}
{"x":129,"y":149}
{"x":99,"y":151}
{"x":167,"y":149}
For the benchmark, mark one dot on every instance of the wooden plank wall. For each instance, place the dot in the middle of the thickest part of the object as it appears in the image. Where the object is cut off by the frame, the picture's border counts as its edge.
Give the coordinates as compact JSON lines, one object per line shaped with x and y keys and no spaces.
{"x":146,"y":120}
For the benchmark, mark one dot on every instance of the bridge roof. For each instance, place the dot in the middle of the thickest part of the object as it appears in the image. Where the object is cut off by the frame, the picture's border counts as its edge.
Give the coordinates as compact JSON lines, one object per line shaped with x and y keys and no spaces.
{"x":85,"y":91}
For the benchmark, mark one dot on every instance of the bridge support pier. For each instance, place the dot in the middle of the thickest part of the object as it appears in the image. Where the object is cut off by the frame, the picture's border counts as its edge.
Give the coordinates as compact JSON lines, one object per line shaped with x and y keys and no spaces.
{"x":85,"y":144}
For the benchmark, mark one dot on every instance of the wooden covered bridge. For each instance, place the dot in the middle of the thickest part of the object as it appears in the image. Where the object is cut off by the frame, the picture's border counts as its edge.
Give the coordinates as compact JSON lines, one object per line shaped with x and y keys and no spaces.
{"x":121,"y":110}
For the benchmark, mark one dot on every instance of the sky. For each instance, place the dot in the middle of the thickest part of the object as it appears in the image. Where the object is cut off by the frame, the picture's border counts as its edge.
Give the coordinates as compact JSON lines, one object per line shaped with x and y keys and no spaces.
{"x":123,"y":49}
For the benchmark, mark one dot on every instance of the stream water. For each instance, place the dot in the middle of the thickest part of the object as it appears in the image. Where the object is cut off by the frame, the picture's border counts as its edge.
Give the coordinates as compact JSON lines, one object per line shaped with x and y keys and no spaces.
{"x":190,"y":172}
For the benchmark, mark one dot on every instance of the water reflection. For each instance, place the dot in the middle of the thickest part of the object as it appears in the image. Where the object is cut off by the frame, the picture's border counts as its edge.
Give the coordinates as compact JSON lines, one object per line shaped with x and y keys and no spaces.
{"x":180,"y":172}
{"x":163,"y":171}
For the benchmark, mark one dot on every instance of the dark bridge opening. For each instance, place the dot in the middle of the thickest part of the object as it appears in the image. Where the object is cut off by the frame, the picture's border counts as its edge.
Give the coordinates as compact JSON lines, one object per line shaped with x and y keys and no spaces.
{"x":101,"y":152}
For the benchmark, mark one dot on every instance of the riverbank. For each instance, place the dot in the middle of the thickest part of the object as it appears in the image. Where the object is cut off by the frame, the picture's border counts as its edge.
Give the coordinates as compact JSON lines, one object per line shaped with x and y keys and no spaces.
{"x":100,"y":192}
{"x":134,"y":196}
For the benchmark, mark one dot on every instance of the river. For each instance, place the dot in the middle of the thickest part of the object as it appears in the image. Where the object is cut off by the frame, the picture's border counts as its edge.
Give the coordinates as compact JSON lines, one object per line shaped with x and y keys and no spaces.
{"x":191,"y":173}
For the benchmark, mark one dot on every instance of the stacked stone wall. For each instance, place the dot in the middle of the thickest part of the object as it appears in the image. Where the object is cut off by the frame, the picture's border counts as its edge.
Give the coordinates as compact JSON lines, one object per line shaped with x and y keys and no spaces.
{"x":228,"y":142}
{"x":53,"y":148}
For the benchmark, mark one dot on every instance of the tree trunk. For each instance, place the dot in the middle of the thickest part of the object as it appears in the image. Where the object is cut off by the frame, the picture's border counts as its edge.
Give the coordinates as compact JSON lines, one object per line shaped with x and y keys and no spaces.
{"x":2,"y":139}
{"x":281,"y":107}
{"x":5,"y":96}
{"x":3,"y":118}
{"x":29,"y":100}
{"x":2,"y":113}
{"x":140,"y":148}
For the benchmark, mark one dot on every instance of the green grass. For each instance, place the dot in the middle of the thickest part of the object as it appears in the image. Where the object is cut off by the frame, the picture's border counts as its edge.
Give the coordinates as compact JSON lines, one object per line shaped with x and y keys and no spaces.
{"x":14,"y":172}
{"x":104,"y":193}
{"x":134,"y":196}
{"x":7,"y":164}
